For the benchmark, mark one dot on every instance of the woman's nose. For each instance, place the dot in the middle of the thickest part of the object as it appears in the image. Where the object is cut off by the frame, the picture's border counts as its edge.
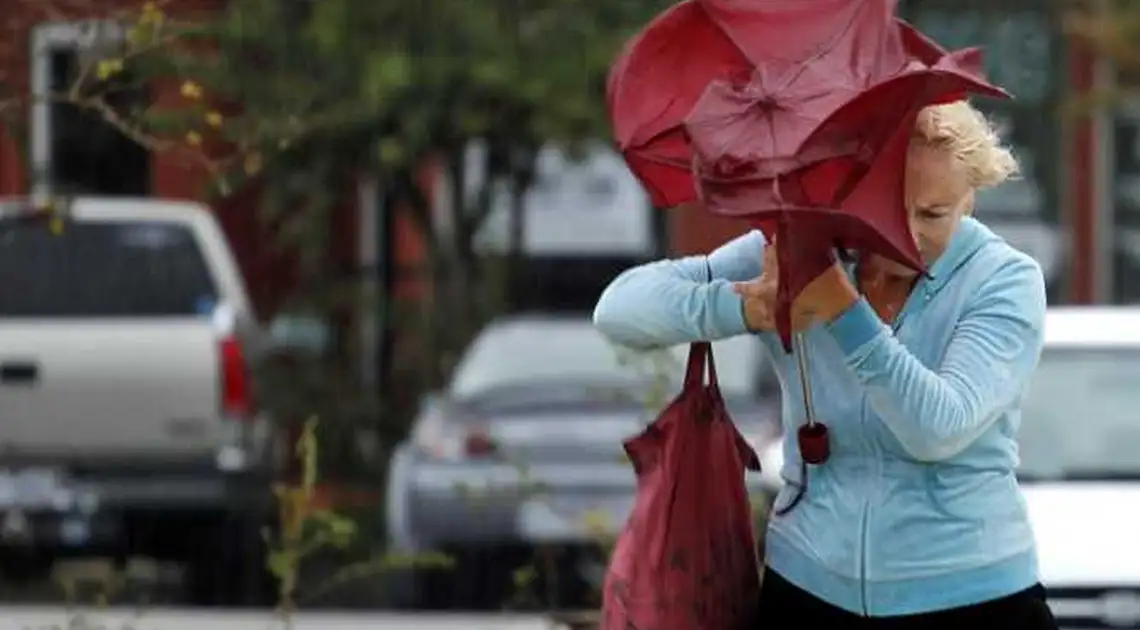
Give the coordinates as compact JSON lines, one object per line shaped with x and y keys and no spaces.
{"x":915,"y":230}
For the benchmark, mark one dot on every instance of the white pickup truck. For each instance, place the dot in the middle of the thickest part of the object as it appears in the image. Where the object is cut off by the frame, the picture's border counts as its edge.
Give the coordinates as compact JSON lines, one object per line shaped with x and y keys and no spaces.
{"x":128,"y":422}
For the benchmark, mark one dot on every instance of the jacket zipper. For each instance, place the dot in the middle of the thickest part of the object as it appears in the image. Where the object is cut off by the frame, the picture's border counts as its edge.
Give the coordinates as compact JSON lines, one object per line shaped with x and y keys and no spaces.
{"x":865,"y":559}
{"x":865,"y":520}
{"x":865,"y":525}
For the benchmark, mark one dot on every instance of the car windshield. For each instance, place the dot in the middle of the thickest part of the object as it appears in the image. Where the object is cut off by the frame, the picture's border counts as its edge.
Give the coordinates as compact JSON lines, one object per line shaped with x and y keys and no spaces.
{"x":537,"y":352}
{"x":1082,"y":415}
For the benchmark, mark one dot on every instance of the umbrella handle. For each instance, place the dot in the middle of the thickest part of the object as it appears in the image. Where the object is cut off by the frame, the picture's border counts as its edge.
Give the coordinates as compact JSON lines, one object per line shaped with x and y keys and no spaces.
{"x":804,"y":370}
{"x":814,"y":442}
{"x":812,"y":437}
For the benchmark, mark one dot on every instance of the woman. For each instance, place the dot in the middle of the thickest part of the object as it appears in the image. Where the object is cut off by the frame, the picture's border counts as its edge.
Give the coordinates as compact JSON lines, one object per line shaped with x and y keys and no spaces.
{"x":916,"y":519}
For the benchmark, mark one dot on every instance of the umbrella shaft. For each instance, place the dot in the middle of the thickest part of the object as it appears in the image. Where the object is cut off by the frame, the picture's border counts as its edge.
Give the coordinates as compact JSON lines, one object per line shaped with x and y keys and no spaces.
{"x":805,"y":376}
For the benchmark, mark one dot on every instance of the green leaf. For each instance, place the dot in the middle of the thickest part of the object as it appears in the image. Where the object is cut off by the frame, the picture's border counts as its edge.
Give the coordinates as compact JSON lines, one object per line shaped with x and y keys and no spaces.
{"x":386,"y":73}
{"x":524,"y":576}
{"x":391,"y":153}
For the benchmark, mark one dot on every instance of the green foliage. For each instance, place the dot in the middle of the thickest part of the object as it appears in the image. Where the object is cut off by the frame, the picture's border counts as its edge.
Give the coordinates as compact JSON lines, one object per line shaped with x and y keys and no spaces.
{"x":1110,"y":28}
{"x":304,"y":96}
{"x":305,"y":529}
{"x":314,"y":93}
{"x":389,"y":84}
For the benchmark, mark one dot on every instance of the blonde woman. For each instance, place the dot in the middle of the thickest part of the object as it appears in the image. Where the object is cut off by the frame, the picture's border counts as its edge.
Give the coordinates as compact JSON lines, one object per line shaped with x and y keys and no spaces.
{"x":916,"y":519}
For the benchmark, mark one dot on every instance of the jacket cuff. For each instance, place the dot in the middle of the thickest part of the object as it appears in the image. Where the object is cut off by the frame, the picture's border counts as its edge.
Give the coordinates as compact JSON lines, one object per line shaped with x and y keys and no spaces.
{"x":726,"y":310}
{"x":855,"y":327}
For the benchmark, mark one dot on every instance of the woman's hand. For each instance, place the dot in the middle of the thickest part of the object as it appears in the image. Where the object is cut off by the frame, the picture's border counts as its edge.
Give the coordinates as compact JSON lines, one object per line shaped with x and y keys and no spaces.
{"x":823,"y":299}
{"x":828,"y":296}
{"x":760,"y":297}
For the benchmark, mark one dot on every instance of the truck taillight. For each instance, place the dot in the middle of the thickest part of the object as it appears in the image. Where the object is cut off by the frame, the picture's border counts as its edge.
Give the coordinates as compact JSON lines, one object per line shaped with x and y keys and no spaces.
{"x":237,"y":393}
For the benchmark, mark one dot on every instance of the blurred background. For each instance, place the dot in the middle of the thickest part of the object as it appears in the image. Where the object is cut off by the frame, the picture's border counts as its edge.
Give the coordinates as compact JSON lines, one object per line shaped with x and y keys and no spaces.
{"x":295,"y":295}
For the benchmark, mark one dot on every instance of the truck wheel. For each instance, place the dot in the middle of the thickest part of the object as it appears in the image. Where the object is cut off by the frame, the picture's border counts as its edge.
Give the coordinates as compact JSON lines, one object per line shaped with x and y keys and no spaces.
{"x":23,"y":565}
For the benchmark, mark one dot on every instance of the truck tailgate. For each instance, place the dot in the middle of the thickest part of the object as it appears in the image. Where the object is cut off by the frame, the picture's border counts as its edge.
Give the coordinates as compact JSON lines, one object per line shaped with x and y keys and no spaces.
{"x":98,"y":388}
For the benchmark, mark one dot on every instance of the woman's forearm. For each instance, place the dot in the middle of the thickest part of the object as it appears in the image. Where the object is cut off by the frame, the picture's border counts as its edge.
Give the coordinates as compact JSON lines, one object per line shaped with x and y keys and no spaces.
{"x":671,"y":302}
{"x":936,"y":413}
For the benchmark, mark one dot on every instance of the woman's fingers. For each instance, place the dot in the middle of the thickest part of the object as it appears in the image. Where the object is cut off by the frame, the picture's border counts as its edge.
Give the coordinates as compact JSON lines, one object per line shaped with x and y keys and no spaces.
{"x":769,"y":261}
{"x":762,"y":288}
{"x":758,"y":295}
{"x":745,"y":289}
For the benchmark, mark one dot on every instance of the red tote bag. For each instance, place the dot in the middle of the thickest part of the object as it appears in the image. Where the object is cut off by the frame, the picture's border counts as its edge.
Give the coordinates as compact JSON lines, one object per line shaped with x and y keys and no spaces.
{"x":686,"y":558}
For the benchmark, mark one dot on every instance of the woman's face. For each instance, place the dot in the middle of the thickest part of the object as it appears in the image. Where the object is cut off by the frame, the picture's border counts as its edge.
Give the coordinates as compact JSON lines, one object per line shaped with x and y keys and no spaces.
{"x":937,"y":195}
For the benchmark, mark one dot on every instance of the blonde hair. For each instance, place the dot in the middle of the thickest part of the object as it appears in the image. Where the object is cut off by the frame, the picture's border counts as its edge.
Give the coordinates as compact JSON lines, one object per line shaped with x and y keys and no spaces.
{"x":965,"y":132}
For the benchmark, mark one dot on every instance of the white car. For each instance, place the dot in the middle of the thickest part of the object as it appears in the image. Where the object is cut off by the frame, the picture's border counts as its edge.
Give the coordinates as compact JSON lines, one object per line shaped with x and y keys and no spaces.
{"x":1080,"y":465}
{"x":523,"y":450}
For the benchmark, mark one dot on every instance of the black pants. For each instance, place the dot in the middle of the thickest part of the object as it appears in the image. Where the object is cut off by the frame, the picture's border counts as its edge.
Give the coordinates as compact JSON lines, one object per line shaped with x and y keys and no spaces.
{"x":784,"y":605}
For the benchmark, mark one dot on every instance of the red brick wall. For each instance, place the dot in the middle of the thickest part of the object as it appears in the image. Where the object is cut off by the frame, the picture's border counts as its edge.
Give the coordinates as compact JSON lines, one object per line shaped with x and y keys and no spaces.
{"x":13,"y":180}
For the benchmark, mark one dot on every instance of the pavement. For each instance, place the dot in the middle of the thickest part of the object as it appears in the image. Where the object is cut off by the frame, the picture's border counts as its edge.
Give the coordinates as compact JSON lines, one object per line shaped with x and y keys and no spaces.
{"x":60,"y":618}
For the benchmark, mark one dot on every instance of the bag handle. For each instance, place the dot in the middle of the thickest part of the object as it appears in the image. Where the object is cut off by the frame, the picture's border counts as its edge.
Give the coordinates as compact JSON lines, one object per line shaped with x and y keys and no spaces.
{"x":700,"y":352}
{"x":695,"y":371}
{"x":700,"y":356}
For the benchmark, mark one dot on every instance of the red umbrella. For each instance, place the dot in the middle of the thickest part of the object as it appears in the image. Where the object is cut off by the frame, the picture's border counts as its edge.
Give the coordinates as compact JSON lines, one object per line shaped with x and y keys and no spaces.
{"x":652,"y":87}
{"x":665,"y":69}
{"x":812,"y":152}
{"x":794,"y":114}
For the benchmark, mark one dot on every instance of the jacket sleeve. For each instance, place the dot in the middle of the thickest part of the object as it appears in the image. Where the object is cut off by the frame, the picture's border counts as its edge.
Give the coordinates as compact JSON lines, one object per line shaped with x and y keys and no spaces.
{"x":671,"y":302}
{"x":992,"y":354}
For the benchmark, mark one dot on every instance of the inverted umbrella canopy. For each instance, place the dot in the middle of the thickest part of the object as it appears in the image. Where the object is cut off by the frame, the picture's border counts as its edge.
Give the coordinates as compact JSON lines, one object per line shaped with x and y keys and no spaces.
{"x":667,"y":67}
{"x":813,"y":152}
{"x":653,"y":86}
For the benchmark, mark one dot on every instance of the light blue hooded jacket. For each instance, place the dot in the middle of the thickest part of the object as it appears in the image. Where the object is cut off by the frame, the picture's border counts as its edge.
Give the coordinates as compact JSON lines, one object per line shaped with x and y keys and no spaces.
{"x":918,"y":508}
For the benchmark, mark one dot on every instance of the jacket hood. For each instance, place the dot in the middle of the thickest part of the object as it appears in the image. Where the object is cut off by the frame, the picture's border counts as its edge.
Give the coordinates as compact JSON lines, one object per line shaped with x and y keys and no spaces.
{"x":970,"y":237}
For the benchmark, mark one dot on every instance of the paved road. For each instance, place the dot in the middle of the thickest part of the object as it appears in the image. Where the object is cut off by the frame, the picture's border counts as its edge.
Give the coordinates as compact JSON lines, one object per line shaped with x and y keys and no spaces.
{"x":47,"y":618}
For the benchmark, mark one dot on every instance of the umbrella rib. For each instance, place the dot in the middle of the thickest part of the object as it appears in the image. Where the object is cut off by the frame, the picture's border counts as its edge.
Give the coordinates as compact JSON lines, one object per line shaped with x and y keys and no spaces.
{"x":657,"y":118}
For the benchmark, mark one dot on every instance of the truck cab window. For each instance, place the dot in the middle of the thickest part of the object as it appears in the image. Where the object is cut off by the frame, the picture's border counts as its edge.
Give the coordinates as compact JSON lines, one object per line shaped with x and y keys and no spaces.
{"x":103,"y":270}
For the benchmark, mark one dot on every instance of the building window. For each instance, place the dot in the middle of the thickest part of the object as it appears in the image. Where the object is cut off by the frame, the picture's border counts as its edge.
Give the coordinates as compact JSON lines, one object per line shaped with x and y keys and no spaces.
{"x":74,"y":149}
